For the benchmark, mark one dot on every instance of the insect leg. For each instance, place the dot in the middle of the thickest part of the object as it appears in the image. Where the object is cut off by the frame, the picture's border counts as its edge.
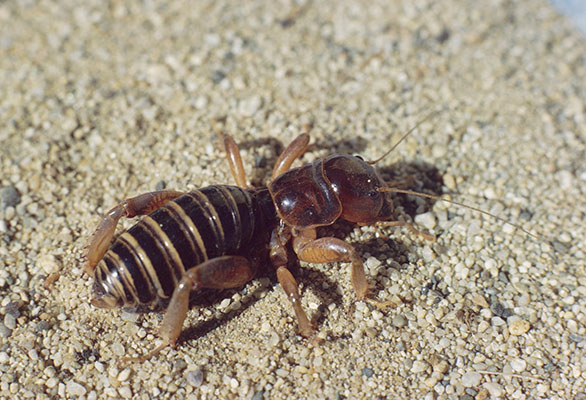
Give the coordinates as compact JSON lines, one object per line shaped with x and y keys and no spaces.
{"x":278,"y":255}
{"x":329,"y":249}
{"x":235,"y":161}
{"x":233,"y":153}
{"x":218,"y":273}
{"x":139,"y":205}
{"x":295,"y":149}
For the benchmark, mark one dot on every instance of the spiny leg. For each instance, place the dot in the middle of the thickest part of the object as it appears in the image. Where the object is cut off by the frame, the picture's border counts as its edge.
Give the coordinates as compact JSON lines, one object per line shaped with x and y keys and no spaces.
{"x":329,"y":249}
{"x":295,"y":149}
{"x":278,"y":255}
{"x":224,"y":272}
{"x":139,"y":205}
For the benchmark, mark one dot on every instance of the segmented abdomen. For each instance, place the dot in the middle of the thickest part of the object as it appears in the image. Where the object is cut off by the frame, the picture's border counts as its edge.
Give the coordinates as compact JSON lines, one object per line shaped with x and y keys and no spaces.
{"x":145,"y":263}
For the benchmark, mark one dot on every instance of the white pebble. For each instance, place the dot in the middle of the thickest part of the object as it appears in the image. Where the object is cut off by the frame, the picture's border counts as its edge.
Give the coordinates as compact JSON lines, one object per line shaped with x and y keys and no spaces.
{"x":519,"y":327}
{"x":9,"y":321}
{"x":449,"y":181}
{"x":249,"y":107}
{"x":118,"y":349}
{"x":48,"y":263}
{"x":75,"y":389}
{"x":125,"y":392}
{"x":4,"y":357}
{"x":419,"y":366}
{"x":471,"y":379}
{"x":128,"y":316}
{"x":426,"y":220}
{"x":495,"y":389}
{"x":427,"y":254}
{"x":51,"y":382}
{"x":372,"y":262}
{"x":122,"y":376}
{"x":518,"y":365}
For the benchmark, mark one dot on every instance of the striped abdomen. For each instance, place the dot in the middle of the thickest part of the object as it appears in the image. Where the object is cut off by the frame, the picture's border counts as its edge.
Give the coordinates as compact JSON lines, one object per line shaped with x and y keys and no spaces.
{"x":145,"y":263}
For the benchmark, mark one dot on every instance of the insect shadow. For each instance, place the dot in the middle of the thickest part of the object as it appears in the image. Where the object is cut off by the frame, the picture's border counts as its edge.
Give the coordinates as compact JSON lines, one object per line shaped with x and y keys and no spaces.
{"x":416,"y":176}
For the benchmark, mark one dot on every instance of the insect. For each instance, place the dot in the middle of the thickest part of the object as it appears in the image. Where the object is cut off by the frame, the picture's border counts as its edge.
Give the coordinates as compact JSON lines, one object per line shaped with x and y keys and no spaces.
{"x":217,"y":237}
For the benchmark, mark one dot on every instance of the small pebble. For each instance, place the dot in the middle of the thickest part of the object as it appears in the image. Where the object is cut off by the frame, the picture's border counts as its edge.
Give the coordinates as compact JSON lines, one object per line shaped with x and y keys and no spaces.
{"x":4,"y":331}
{"x":129,"y":317}
{"x":250,"y":106}
{"x":471,"y":379}
{"x":122,"y":376}
{"x":479,"y":300}
{"x":9,"y":321}
{"x":495,"y":389}
{"x":419,"y":366}
{"x":399,"y":321}
{"x":258,"y":395}
{"x":368,"y":372}
{"x":194,"y":378}
{"x":9,"y":197}
{"x":75,"y":389}
{"x":49,"y":263}
{"x":125,"y":392}
{"x":519,"y":327}
{"x":518,"y":365}
{"x":372,"y":262}
{"x":426,"y":220}
{"x":179,"y":364}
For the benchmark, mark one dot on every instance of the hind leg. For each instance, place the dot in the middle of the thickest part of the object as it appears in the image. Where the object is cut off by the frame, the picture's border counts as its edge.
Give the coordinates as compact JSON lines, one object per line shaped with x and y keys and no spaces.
{"x":218,"y":273}
{"x":139,"y":205}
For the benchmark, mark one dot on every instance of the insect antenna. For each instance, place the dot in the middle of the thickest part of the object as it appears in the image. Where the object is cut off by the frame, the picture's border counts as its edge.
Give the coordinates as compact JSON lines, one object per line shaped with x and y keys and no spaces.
{"x":428,"y":116}
{"x":430,"y":196}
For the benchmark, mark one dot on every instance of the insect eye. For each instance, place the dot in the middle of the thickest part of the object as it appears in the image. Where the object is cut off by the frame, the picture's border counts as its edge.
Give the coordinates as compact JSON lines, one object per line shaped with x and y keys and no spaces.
{"x":372,"y":194}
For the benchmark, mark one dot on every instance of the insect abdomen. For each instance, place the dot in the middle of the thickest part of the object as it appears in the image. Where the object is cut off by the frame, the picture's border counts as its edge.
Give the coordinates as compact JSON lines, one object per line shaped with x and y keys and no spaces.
{"x":145,"y":263}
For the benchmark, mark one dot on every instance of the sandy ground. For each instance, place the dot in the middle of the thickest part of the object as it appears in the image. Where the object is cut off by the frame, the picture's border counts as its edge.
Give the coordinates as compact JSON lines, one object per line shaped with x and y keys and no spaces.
{"x":102,"y":101}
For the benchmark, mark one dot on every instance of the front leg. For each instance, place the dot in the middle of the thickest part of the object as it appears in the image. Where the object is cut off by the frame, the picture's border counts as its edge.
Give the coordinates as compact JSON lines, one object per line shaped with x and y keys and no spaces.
{"x":329,"y":249}
{"x":143,"y":204}
{"x":278,"y":256}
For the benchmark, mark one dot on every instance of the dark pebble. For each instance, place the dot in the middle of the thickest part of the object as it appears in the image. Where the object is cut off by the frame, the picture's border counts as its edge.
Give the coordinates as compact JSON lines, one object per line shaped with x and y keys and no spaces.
{"x":9,"y":197}
{"x":4,"y":331}
{"x":259,"y":395}
{"x":179,"y":364}
{"x":12,"y":309}
{"x":42,"y":326}
{"x":217,"y":77}
{"x":498,"y":309}
{"x":368,"y":372}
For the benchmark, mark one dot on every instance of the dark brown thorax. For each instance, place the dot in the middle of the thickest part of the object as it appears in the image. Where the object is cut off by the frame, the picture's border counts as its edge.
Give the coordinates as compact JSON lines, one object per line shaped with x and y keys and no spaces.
{"x":340,"y":186}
